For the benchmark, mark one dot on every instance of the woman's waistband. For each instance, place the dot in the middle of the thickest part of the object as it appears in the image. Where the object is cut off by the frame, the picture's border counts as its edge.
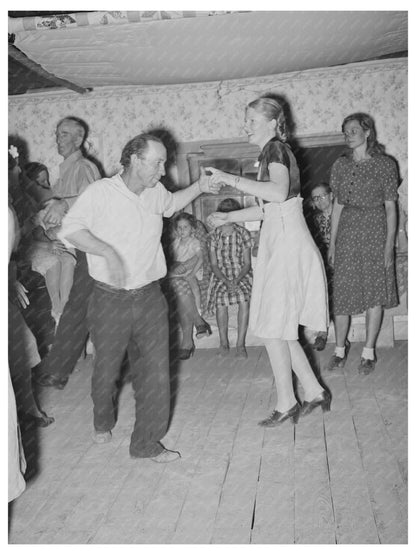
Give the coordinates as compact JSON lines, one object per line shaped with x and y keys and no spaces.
{"x":281,"y":208}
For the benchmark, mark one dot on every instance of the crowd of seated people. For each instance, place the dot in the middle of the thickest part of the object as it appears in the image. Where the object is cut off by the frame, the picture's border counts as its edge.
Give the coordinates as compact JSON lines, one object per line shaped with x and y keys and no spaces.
{"x":209,"y":271}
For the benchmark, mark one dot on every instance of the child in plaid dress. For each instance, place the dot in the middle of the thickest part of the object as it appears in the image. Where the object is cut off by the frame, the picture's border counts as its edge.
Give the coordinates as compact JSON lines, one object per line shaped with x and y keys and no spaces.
{"x":230,"y":256}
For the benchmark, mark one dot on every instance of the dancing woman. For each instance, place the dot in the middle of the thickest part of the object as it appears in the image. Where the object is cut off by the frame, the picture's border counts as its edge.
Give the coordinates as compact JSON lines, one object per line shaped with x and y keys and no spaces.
{"x":289,"y":287}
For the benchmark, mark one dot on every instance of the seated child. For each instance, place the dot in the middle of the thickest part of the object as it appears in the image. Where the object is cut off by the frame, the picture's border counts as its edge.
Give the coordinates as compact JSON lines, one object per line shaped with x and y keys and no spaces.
{"x":230,"y":256}
{"x":187,"y":254}
{"x":322,"y":202}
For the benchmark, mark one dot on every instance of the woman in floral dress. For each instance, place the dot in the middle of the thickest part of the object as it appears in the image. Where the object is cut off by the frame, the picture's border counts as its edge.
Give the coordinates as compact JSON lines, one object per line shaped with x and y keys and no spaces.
{"x":363,"y":227}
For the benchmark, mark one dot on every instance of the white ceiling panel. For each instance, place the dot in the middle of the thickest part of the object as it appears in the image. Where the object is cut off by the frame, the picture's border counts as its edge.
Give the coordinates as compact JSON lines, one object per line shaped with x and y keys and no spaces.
{"x":231,"y":46}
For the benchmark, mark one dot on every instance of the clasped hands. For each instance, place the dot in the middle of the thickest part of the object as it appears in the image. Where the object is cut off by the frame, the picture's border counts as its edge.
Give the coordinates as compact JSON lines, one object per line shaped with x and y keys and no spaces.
{"x":213,"y":183}
{"x":215,"y":180}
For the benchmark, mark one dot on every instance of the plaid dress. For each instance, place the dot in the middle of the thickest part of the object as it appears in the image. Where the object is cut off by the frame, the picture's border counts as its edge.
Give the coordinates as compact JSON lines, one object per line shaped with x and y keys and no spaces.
{"x":229,"y":252}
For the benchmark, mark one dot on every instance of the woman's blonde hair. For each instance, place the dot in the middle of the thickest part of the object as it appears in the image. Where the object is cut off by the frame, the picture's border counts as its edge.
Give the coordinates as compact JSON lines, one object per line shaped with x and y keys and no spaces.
{"x":271,"y":108}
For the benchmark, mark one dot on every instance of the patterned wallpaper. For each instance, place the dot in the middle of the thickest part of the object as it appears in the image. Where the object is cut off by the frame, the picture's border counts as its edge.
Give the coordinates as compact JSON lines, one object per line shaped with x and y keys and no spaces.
{"x":319,"y":100}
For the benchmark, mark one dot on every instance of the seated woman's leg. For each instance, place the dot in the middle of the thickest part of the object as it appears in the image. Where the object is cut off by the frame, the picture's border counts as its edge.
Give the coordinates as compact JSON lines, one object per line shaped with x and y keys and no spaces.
{"x":187,"y":311}
{"x":193,"y":283}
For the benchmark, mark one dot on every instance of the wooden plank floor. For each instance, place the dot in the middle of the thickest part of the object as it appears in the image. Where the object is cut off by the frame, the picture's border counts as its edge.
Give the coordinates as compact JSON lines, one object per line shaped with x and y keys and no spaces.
{"x":335,"y":478}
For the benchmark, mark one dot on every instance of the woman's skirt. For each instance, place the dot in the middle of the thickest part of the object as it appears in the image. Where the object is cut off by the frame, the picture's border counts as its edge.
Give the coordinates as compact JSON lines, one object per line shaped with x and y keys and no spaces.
{"x":361,"y":280}
{"x":289,"y":285}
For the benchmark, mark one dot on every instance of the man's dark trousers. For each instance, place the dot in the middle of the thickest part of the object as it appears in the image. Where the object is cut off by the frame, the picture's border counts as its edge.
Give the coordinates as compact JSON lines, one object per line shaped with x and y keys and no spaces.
{"x":135,"y":321}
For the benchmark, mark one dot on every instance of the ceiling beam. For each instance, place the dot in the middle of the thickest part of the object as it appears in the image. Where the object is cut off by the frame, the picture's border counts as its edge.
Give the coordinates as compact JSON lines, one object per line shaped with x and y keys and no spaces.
{"x":22,"y":59}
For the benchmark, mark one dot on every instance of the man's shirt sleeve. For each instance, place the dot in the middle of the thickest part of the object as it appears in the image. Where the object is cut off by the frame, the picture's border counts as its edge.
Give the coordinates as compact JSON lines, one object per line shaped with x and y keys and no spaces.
{"x":80,"y":215}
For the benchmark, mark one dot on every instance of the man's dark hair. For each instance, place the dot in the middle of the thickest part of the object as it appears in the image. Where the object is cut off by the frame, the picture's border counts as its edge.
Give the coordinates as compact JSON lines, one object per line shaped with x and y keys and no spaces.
{"x":138,"y":146}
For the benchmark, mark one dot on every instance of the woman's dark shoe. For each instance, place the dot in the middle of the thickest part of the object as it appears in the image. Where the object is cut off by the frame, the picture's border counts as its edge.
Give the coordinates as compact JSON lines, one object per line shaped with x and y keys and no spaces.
{"x":339,"y":362}
{"x":367,"y":365}
{"x":276,"y":418}
{"x":203,"y":330}
{"x":184,"y":354}
{"x":323,"y":400}
{"x":42,"y":421}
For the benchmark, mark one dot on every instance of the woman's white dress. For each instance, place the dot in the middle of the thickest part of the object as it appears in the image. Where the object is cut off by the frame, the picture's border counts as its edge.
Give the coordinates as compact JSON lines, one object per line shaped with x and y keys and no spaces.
{"x":289,"y":284}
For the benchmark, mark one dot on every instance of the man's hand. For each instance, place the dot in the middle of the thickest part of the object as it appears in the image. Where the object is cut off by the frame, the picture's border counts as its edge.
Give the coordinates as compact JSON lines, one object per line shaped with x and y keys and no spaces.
{"x":55,"y":209}
{"x":221,"y":178}
{"x":20,"y":292}
{"x":116,"y":268}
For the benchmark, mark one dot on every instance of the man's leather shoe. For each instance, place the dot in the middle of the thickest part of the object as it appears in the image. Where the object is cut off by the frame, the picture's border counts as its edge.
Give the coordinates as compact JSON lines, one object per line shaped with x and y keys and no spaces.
{"x":49,"y":380}
{"x":101,"y":437}
{"x":166,"y":456}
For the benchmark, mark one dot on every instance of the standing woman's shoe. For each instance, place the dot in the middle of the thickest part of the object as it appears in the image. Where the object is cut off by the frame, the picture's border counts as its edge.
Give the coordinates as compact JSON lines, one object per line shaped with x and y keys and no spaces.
{"x":276,"y":418}
{"x":323,"y":400}
{"x":338,"y":362}
{"x":366,"y":365}
{"x":203,"y":330}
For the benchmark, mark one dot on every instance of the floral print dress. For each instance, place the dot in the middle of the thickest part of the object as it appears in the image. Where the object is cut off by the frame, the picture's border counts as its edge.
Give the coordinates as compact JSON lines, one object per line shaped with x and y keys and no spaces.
{"x":361,"y":280}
